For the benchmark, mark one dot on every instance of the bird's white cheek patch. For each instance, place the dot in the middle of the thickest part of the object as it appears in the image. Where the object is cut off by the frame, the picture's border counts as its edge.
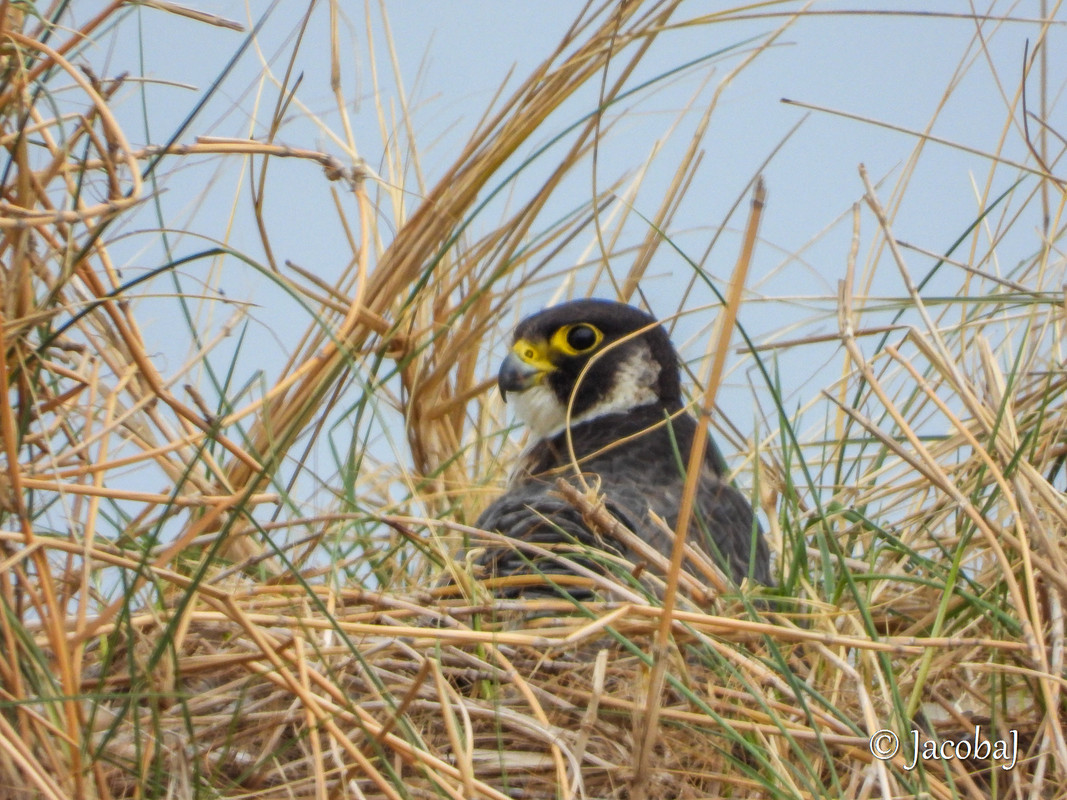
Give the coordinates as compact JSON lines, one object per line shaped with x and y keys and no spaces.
{"x":634,"y":386}
{"x":545,"y":416}
{"x":540,"y":409}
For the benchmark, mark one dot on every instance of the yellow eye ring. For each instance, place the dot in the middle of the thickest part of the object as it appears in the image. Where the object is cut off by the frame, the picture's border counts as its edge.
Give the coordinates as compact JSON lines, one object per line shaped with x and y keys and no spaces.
{"x":576,"y":339}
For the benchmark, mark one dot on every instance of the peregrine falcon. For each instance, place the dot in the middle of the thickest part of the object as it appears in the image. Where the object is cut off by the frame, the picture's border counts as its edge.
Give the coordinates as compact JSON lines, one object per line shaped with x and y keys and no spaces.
{"x":597,"y":384}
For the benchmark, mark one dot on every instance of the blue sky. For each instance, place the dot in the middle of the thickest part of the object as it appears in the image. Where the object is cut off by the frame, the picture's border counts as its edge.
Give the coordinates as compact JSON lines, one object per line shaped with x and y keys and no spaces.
{"x":956,"y":75}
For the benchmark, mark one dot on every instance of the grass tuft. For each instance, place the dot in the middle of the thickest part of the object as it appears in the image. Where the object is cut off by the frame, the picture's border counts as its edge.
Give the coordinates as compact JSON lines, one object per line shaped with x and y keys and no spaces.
{"x":224,"y":518}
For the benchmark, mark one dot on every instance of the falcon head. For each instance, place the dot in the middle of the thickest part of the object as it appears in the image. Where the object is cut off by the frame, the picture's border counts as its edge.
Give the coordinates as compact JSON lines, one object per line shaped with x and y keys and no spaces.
{"x":580,"y":360}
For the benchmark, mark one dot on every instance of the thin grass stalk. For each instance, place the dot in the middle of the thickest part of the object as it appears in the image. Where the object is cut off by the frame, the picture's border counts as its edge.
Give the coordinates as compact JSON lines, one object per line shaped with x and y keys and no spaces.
{"x":693,"y":472}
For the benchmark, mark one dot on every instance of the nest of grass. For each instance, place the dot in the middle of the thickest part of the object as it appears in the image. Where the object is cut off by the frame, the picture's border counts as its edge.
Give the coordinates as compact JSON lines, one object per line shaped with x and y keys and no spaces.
{"x":284,"y":692}
{"x":175,"y":625}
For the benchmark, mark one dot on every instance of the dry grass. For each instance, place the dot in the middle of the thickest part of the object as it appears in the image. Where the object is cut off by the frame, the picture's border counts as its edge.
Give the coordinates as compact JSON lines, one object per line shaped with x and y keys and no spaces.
{"x":184,"y":617}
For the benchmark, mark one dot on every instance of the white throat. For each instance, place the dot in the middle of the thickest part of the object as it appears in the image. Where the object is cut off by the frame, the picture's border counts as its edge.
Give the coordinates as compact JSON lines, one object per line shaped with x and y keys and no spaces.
{"x":635,"y":383}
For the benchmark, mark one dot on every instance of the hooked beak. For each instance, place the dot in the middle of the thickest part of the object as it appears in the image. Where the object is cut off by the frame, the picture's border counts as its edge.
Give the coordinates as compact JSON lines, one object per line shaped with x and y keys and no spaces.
{"x":517,"y":375}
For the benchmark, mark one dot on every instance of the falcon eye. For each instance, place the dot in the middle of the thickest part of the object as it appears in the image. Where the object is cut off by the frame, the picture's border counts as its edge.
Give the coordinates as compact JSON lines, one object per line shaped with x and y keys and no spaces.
{"x":583,"y":337}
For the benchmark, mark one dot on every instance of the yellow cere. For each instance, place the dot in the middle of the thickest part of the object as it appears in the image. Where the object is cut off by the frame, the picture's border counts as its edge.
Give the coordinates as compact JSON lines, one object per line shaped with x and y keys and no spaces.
{"x":534,"y":353}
